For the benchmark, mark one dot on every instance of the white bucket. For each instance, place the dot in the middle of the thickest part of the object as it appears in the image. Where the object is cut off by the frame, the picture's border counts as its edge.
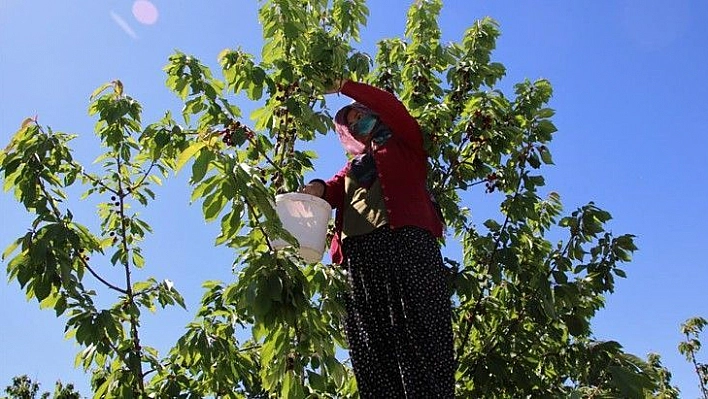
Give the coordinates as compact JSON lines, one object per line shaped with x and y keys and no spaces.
{"x":306,"y":217}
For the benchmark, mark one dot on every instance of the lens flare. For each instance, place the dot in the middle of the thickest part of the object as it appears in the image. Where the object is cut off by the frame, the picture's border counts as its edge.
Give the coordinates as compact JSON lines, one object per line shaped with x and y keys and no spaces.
{"x":145,"y":12}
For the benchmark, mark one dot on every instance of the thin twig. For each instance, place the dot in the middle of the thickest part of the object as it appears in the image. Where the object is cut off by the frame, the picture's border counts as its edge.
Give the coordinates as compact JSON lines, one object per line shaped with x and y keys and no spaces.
{"x":143,"y":177}
{"x":102,"y":280}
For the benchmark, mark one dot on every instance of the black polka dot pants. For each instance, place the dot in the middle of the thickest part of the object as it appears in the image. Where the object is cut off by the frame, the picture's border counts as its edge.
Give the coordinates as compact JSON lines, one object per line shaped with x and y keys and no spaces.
{"x":399,"y":315}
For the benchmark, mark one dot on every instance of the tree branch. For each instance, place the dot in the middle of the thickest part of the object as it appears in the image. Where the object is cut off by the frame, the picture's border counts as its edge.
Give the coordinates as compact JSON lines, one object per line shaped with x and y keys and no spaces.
{"x":58,"y":215}
{"x":102,"y":280}
{"x":490,"y":259}
{"x":137,"y":350}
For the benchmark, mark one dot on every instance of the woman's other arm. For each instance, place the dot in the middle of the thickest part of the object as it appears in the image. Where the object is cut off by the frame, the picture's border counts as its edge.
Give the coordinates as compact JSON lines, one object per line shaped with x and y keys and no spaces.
{"x":331,"y":190}
{"x":392,"y":111}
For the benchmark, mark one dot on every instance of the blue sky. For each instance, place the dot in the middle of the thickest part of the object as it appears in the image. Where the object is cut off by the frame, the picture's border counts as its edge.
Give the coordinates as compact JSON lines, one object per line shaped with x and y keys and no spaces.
{"x":631,"y":96}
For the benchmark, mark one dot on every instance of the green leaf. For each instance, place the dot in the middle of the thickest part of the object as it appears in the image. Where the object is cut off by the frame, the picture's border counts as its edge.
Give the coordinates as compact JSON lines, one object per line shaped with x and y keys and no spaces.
{"x":213,"y":205}
{"x":49,"y":301}
{"x":143,"y":285}
{"x":201,"y":165}
{"x":205,"y":187}
{"x":631,"y":384}
{"x":560,"y":277}
{"x":288,"y":384}
{"x":534,"y":161}
{"x":545,"y":113}
{"x":138,"y":259}
{"x":492,"y":225}
{"x":317,"y":381}
{"x":546,"y":156}
{"x":255,"y":91}
{"x":546,"y":127}
{"x":11,"y":248}
{"x":60,"y":306}
{"x":41,"y":287}
{"x":275,"y":287}
{"x":187,"y":154}
{"x":291,"y":388}
{"x":577,"y":326}
{"x":99,"y":90}
{"x":262,"y":304}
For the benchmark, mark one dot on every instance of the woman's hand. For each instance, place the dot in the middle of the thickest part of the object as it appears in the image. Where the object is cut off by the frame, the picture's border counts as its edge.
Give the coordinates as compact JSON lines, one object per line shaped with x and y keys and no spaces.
{"x":336,"y":86}
{"x":314,"y":187}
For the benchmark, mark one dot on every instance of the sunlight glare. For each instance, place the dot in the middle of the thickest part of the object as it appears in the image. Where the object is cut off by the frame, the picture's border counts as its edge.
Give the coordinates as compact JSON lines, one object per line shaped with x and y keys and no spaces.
{"x":145,"y":12}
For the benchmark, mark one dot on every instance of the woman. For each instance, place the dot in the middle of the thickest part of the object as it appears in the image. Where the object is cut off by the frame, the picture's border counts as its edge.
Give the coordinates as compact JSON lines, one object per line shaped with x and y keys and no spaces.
{"x":398,"y":309}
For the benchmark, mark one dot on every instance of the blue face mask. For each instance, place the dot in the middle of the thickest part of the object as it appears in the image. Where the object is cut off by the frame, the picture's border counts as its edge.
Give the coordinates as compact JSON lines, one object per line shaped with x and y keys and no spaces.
{"x":364,"y":125}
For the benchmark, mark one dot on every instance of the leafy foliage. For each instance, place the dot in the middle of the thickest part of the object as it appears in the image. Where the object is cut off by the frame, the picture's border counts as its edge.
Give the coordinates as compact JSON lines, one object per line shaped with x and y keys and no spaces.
{"x":523,"y":304}
{"x":24,"y":388}
{"x":692,"y":329}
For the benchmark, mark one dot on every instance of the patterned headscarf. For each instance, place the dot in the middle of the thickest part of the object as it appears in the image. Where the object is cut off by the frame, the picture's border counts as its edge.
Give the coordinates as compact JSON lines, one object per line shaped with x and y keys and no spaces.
{"x":350,"y":144}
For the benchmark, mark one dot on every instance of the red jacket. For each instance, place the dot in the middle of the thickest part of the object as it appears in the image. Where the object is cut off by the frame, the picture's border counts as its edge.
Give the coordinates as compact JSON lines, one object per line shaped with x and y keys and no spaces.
{"x":401,"y":163}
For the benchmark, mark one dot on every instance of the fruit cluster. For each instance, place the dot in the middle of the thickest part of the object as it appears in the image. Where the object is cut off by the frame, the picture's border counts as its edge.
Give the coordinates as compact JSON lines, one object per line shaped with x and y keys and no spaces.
{"x":286,"y":126}
{"x":81,"y":254}
{"x":464,"y":76}
{"x":492,"y":182}
{"x":480,"y":121}
{"x":236,"y":133}
{"x":124,"y":222}
{"x":285,"y":91}
{"x":386,"y":81}
{"x":112,"y":234}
